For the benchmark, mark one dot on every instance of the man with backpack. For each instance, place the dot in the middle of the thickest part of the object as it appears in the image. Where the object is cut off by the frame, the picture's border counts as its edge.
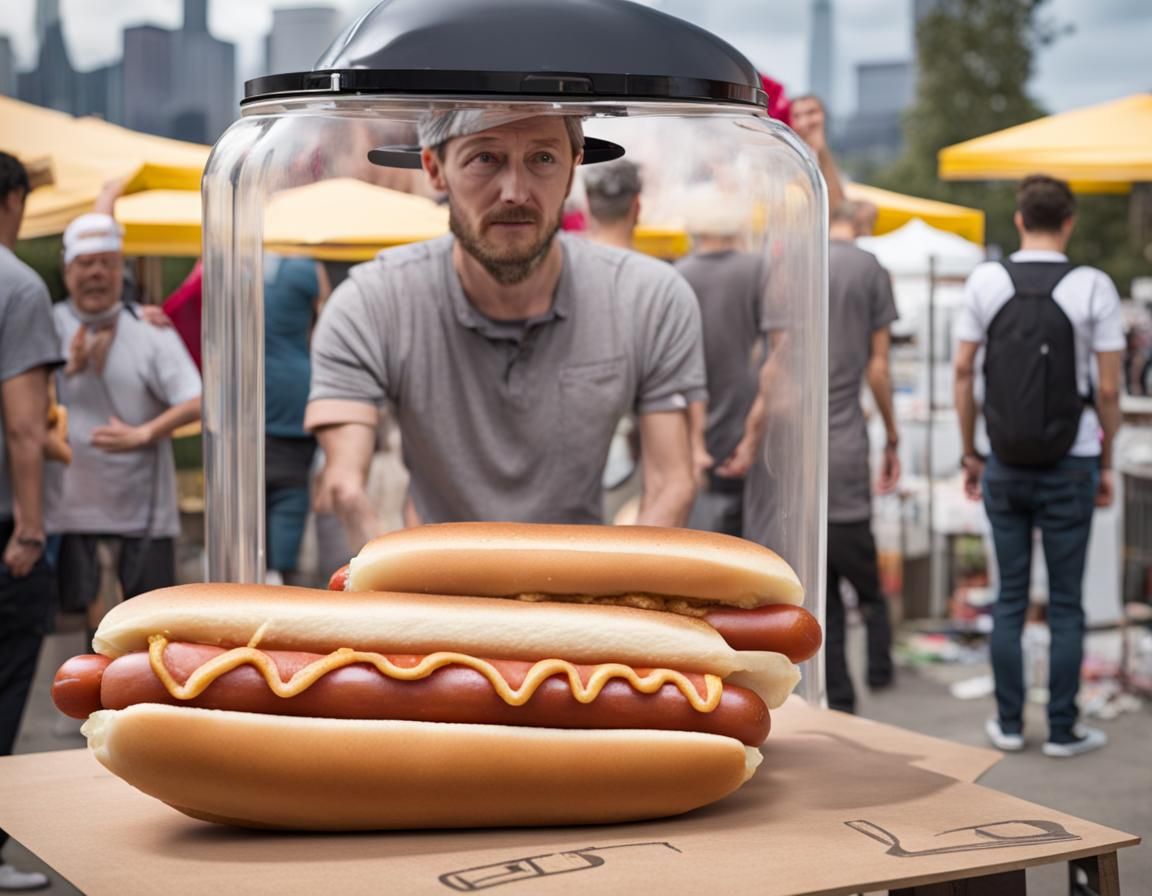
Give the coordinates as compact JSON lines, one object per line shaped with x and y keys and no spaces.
{"x":1053,"y":340}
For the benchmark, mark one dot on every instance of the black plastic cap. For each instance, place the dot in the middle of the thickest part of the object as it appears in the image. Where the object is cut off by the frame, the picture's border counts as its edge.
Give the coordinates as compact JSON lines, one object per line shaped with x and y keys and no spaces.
{"x":524,"y":49}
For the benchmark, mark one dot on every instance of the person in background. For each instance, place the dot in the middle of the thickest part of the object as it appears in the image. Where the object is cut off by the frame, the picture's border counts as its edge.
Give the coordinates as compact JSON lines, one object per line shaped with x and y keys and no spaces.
{"x":861,"y":308}
{"x":508,"y":352}
{"x":731,"y":286}
{"x":613,"y":192}
{"x":28,"y":352}
{"x":864,"y":223}
{"x":809,"y":121}
{"x":1041,"y":319}
{"x":127,"y":384}
{"x":292,"y":298}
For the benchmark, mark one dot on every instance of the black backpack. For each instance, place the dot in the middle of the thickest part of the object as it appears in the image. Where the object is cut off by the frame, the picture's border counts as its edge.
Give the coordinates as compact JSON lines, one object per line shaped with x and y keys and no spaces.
{"x":1032,"y":402}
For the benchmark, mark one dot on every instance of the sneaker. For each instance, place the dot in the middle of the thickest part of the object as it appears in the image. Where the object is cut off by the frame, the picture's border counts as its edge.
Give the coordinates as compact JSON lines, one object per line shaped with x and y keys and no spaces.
{"x":1087,"y":740}
{"x":1009,"y":743}
{"x":15,"y":881}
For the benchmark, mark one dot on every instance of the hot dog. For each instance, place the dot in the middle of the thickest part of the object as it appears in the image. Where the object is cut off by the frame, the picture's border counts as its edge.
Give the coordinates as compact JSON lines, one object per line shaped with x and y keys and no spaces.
{"x":553,"y":688}
{"x":744,"y":591}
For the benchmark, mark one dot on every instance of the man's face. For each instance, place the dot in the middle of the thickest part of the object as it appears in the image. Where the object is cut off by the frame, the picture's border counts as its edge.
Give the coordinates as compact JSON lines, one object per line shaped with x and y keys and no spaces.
{"x":94,"y":281}
{"x":807,"y":117}
{"x":506,"y":188}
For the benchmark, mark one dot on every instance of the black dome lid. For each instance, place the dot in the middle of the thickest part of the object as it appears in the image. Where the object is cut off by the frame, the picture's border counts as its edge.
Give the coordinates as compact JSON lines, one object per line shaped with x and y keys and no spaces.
{"x":547,"y":49}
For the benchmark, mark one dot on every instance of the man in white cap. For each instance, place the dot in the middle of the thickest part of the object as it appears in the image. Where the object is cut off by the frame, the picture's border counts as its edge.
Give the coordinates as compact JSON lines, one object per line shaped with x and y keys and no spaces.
{"x":507,"y":351}
{"x":127,"y":385}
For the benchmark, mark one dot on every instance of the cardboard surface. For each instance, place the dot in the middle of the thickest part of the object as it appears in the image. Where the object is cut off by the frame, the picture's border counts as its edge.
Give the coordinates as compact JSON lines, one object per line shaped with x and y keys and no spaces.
{"x":840,"y":805}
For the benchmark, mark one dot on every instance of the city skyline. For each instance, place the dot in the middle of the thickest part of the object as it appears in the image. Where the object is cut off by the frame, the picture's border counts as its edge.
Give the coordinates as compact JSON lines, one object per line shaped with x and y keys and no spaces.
{"x":1101,"y":60}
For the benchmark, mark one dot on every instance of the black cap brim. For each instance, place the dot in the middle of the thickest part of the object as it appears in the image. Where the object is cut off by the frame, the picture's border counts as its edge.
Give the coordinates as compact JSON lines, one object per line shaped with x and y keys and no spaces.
{"x":595,"y":150}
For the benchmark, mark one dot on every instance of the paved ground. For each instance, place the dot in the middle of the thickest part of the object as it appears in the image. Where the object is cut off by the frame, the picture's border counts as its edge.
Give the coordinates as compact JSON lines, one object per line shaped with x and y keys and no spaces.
{"x":1112,"y":787}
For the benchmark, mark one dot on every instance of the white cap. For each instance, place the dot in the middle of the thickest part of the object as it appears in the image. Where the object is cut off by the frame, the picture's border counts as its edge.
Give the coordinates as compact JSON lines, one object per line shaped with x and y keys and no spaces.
{"x":90,"y":235}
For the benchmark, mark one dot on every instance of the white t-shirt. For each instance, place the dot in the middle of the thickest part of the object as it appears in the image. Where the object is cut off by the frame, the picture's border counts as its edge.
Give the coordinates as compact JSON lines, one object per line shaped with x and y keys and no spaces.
{"x":1089,"y":299}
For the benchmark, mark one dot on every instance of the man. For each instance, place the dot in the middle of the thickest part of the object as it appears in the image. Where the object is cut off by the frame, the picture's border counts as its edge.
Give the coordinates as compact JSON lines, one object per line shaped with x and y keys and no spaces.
{"x":509,"y":353}
{"x":808,"y":120}
{"x":613,"y":191}
{"x":860,"y":308}
{"x":731,"y":286}
{"x":127,"y":385}
{"x":1070,"y":314}
{"x":28,"y":351}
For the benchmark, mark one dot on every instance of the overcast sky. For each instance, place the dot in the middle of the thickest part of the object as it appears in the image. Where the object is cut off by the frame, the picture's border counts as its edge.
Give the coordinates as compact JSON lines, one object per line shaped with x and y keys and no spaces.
{"x":1106,"y":57}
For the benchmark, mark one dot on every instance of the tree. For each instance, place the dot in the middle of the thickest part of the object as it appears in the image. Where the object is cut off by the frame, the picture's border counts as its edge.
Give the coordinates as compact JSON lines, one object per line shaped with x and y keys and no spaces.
{"x":975,"y":58}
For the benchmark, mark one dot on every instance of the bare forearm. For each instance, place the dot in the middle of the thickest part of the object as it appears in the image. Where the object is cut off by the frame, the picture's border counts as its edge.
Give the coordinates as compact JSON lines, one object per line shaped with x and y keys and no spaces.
{"x":666,"y":500}
{"x":880,"y":383}
{"x":26,"y":465}
{"x":172,"y":419}
{"x":965,"y":411}
{"x":1108,"y":410}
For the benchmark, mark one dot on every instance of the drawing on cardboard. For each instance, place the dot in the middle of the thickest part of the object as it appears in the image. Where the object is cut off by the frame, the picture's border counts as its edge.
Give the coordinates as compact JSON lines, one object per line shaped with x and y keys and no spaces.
{"x":990,"y":835}
{"x":483,"y":877}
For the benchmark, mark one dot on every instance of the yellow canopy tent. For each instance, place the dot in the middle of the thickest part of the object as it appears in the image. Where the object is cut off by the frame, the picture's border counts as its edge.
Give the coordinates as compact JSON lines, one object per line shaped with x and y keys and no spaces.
{"x":894,"y":210}
{"x":1101,"y":148}
{"x":83,"y":154}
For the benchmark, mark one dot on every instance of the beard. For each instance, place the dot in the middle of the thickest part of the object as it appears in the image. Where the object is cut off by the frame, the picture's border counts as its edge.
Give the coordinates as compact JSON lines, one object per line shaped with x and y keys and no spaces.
{"x":507,"y":266}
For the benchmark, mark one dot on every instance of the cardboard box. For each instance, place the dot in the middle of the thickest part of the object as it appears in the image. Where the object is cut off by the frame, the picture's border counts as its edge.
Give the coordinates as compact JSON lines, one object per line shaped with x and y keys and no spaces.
{"x":841,"y":805}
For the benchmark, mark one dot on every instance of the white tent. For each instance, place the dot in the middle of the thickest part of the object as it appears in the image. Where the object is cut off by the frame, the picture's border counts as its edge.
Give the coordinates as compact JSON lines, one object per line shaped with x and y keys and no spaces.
{"x":910,"y":250}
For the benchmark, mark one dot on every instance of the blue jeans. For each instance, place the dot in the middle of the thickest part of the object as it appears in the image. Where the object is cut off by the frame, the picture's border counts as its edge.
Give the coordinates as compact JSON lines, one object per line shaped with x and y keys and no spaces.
{"x":1059,"y":501}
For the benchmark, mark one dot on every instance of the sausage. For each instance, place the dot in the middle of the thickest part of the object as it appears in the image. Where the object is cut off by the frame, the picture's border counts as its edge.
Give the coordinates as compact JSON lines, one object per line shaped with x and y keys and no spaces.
{"x":782,"y":628}
{"x":76,"y":687}
{"x":450,"y":694}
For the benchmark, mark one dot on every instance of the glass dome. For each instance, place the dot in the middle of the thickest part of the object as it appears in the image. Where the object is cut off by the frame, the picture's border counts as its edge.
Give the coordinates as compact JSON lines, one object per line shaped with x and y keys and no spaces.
{"x":293,"y":177}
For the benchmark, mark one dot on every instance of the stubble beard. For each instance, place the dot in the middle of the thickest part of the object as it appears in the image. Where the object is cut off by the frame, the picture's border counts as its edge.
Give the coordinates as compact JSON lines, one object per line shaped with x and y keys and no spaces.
{"x":507,"y":270}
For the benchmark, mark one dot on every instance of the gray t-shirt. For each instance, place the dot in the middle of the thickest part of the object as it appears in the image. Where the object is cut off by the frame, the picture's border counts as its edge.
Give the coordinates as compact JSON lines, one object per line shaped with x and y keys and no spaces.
{"x":27,"y":340}
{"x":510,"y":421}
{"x":102,"y":492}
{"x":732,"y":289}
{"x":859,"y":303}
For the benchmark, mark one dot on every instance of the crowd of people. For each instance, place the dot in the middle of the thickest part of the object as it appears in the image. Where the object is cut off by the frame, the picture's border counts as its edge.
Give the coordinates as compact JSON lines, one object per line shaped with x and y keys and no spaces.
{"x":508,"y":352}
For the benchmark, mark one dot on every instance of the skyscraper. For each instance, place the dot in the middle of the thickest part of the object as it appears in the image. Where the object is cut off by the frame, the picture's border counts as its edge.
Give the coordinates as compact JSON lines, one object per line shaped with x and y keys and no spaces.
{"x":196,"y":16}
{"x":299,"y":36}
{"x":7,"y":67}
{"x":821,"y":52}
{"x":47,"y":15}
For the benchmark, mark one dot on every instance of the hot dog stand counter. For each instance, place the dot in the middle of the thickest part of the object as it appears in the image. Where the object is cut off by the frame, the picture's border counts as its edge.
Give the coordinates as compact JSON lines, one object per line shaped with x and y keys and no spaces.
{"x":840,"y":805}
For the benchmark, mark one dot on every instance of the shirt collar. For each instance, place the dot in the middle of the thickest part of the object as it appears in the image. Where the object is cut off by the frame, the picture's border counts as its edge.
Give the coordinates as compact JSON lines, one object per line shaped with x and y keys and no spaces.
{"x":469,"y":317}
{"x":1038,"y":255}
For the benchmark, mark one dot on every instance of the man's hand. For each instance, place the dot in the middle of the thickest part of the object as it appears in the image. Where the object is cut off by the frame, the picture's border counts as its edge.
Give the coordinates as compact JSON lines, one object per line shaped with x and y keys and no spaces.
{"x":1105,"y":491}
{"x":701,"y":463}
{"x":739,"y":462}
{"x":341,"y":492}
{"x":154,"y":315}
{"x":21,"y":554}
{"x":117,"y":436}
{"x":889,"y":471}
{"x":973,"y":468}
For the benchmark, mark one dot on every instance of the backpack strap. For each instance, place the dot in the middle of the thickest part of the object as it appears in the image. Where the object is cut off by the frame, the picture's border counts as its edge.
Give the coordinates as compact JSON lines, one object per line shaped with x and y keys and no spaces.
{"x":1037,"y":278}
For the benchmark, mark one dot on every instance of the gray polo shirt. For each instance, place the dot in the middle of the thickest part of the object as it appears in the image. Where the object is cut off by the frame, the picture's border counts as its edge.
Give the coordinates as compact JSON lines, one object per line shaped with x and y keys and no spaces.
{"x":27,"y":341}
{"x":510,"y":421}
{"x":732,"y":289}
{"x":860,"y":302}
{"x":115,"y":493}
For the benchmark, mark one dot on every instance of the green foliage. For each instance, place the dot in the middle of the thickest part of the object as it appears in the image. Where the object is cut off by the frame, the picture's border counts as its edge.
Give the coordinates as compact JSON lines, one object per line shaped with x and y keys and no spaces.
{"x":43,"y":256}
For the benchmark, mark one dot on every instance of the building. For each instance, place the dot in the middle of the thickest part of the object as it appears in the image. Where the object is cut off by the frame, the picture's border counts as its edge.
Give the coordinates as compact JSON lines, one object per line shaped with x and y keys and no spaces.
{"x":53,"y":82}
{"x":299,"y":36}
{"x":7,"y":67}
{"x":146,"y":77}
{"x":821,"y":53}
{"x":875,"y":133}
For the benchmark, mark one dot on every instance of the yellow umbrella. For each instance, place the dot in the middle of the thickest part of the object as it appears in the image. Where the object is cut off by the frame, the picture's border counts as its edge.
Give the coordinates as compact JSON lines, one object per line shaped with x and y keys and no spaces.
{"x":85,"y":153}
{"x":894,"y":210}
{"x":1101,"y":148}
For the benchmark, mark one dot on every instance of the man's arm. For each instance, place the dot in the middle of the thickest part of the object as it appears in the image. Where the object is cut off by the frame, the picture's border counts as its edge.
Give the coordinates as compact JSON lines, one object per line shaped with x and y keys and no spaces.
{"x":697,"y":426}
{"x":342,"y":486}
{"x":880,"y":383}
{"x":25,"y":403}
{"x":964,"y":374}
{"x":666,"y":466}
{"x":116,"y":435}
{"x":737,"y":464}
{"x":1108,"y":410}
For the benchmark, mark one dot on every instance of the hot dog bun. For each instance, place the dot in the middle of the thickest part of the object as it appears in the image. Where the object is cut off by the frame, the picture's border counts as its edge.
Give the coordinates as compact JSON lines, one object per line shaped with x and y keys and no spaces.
{"x":283,"y":618}
{"x":510,"y":559}
{"x":328,"y":774}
